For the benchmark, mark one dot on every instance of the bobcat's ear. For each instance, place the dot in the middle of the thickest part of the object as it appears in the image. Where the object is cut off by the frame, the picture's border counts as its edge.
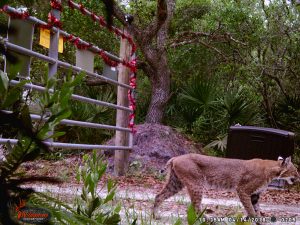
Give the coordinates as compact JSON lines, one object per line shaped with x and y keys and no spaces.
{"x":286,"y":161}
{"x":280,"y":158}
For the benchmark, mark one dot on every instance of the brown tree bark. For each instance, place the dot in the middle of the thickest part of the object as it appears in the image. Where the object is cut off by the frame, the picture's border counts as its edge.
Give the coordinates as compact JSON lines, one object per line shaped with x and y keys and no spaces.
{"x":152,"y":42}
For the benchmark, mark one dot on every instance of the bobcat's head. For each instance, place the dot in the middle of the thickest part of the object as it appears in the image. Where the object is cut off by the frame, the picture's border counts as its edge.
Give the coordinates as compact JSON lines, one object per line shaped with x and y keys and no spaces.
{"x":288,"y":171}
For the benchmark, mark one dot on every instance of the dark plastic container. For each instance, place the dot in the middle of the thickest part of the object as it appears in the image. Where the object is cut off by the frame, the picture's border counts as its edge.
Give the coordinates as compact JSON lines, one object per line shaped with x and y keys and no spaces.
{"x":247,"y":142}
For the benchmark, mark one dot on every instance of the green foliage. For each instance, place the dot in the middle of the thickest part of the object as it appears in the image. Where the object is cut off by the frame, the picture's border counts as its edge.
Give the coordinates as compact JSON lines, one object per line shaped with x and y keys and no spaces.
{"x":91,"y":113}
{"x":30,"y":139}
{"x":237,"y":107}
{"x":250,"y":49}
{"x":208,"y":110}
{"x":188,"y":14}
{"x":199,"y":95}
{"x":193,"y":218}
{"x":288,"y":113}
{"x":143,"y":11}
{"x":143,"y":98}
{"x":90,"y":204}
{"x":90,"y":207}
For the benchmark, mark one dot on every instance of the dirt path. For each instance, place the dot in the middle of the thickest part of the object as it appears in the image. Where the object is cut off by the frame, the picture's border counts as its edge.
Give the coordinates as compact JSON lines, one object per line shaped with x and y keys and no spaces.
{"x":137,"y":202}
{"x":137,"y":191}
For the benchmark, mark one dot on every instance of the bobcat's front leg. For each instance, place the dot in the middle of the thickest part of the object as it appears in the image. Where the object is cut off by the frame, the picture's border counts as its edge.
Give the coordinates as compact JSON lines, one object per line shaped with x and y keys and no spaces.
{"x":246,"y":201}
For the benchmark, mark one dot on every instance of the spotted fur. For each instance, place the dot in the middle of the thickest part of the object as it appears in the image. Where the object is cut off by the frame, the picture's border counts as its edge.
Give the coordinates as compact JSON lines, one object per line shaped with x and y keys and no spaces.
{"x":247,"y":177}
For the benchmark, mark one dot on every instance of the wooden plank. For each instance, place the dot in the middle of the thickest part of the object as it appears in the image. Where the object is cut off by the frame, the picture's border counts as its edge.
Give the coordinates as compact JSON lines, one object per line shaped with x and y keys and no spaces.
{"x":21,"y":35}
{"x":122,"y":138}
{"x":85,"y":60}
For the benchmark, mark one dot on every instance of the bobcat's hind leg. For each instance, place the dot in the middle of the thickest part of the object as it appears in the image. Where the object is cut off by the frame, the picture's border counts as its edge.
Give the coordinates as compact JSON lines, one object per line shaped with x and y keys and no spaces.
{"x":255,"y":203}
{"x":172,"y":187}
{"x":195,"y":190}
{"x":195,"y":193}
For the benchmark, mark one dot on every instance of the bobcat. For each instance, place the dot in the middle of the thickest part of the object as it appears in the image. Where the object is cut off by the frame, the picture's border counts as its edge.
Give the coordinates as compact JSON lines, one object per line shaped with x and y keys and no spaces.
{"x":247,"y":177}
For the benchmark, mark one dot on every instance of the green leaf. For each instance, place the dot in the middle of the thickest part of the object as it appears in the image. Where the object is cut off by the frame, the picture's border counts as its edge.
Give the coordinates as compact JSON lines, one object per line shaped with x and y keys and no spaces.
{"x":14,"y":70}
{"x":12,"y":97}
{"x":51,"y":82}
{"x":118,"y":208}
{"x":56,"y":135}
{"x":25,"y":117}
{"x":14,"y":94}
{"x":94,"y":156}
{"x":178,"y":222}
{"x":43,"y":131}
{"x":113,"y":220}
{"x":78,"y":79}
{"x":85,"y":157}
{"x":95,"y":203}
{"x":78,"y":175}
{"x":110,"y":185}
{"x":32,"y":155}
{"x":84,"y":194}
{"x":3,"y":82}
{"x":134,"y":222}
{"x":191,"y":215}
{"x":109,"y":197}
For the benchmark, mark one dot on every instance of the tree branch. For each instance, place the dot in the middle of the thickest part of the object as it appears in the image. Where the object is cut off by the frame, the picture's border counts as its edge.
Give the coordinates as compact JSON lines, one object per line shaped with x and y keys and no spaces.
{"x":121,"y":16}
{"x":227,"y":37}
{"x":195,"y":41}
{"x":277,"y":80}
{"x":161,"y":17}
{"x":146,"y":34}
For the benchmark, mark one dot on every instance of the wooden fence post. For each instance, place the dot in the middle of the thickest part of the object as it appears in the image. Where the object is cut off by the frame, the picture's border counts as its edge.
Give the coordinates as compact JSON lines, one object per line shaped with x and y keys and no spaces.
{"x":54,"y":39}
{"x":53,"y":53}
{"x":122,"y":138}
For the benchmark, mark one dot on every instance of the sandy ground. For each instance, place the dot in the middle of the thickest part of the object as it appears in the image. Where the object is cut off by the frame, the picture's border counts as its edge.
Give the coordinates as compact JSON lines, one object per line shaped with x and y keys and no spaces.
{"x":221,"y":206}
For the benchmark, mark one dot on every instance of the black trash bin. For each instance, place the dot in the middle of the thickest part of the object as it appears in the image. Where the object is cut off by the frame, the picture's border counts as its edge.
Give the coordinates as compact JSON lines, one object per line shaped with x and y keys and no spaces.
{"x":247,"y":142}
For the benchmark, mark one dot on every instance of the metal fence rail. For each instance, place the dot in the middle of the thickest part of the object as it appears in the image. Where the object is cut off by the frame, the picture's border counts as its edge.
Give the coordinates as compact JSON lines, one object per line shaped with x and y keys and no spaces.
{"x":62,"y":64}
{"x":74,"y":97}
{"x":94,"y":49}
{"x":79,"y":123}
{"x":54,"y":62}
{"x":70,"y":146}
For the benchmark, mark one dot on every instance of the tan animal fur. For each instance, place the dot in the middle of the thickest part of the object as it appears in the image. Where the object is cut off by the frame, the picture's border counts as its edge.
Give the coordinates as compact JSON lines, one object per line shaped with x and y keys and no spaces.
{"x":247,"y":177}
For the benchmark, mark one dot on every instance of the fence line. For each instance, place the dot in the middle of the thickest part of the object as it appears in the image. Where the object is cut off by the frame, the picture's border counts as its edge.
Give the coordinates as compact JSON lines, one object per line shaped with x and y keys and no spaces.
{"x":78,"y":123}
{"x":93,"y":49}
{"x":70,"y":146}
{"x":74,"y":97}
{"x":28,"y":52}
{"x":126,"y":83}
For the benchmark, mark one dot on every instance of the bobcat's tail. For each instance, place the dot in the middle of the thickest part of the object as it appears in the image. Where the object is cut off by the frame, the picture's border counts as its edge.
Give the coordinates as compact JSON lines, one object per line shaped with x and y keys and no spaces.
{"x":169,"y":169}
{"x":171,"y":187}
{"x":172,"y":180}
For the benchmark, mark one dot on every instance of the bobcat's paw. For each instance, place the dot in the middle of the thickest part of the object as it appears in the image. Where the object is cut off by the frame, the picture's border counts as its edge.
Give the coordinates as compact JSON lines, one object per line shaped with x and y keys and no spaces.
{"x":155,"y":215}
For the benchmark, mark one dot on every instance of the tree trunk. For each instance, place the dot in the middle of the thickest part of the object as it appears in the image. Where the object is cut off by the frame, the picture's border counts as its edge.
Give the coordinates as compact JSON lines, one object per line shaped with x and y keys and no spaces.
{"x":161,"y":79}
{"x":160,"y":83}
{"x":152,"y":41}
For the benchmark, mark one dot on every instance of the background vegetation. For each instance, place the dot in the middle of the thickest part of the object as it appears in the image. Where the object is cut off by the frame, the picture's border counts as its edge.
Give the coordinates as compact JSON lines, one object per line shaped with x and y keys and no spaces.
{"x":230,"y":61}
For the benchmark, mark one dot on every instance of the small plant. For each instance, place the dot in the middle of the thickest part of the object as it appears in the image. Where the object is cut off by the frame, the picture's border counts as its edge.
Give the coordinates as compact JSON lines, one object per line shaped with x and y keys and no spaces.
{"x":89,"y":207}
{"x":194,"y":218}
{"x":90,"y":204}
{"x":30,"y":138}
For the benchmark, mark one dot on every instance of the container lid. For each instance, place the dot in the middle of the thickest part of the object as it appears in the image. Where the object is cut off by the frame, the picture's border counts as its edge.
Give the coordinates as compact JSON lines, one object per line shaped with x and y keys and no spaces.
{"x":262,"y":129}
